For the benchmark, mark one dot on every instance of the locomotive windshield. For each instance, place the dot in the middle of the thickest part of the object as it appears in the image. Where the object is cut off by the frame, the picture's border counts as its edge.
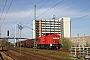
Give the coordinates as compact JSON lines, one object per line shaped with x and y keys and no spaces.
{"x":46,"y":34}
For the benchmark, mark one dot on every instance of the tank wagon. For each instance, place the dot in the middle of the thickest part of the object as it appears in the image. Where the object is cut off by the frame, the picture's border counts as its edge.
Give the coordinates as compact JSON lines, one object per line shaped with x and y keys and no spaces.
{"x":49,"y":41}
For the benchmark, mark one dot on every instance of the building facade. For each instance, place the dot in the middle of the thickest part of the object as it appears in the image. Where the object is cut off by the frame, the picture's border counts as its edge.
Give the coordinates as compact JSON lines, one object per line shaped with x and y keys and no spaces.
{"x":80,"y":41}
{"x":60,"y":26}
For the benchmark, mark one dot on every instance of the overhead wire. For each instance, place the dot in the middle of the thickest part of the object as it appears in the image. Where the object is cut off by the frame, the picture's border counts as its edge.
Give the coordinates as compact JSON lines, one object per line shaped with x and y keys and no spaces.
{"x":44,"y":4}
{"x":80,"y":17}
{"x":32,"y":10}
{"x":56,"y":5}
{"x":39,"y":2}
{"x":71,"y":20}
{"x":50,"y":8}
{"x":7,"y":12}
{"x":3,"y":9}
{"x":2,"y":13}
{"x":59,"y":3}
{"x":77,"y":12}
{"x":39,"y":7}
{"x":1,"y":4}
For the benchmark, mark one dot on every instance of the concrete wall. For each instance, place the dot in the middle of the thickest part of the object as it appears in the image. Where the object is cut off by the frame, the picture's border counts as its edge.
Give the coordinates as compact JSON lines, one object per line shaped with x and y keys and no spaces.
{"x":66,"y":27}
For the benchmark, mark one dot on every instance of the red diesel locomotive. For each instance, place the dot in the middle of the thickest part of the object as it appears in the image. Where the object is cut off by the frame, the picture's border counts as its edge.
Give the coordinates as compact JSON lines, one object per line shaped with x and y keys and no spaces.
{"x":49,"y":41}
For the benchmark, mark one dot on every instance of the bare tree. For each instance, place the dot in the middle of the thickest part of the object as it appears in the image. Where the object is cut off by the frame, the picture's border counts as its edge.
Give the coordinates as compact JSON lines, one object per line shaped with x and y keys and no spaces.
{"x":3,"y":42}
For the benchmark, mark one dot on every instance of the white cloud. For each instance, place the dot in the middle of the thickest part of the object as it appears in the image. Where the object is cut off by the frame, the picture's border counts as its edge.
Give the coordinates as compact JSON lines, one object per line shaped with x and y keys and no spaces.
{"x":17,"y":15}
{"x":63,"y":11}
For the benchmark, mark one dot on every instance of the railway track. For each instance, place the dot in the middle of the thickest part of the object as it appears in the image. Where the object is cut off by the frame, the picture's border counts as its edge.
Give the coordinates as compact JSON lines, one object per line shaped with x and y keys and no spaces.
{"x":25,"y":55}
{"x":4,"y":56}
{"x":1,"y":58}
{"x":38,"y":56}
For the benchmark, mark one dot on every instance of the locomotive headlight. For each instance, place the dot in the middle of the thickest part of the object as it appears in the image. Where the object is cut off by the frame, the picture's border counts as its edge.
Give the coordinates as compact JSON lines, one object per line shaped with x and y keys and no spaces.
{"x":50,"y":44}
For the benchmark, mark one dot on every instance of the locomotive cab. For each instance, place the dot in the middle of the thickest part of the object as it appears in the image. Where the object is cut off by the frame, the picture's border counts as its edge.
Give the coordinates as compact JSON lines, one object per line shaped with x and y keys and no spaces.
{"x":49,"y":41}
{"x":55,"y":41}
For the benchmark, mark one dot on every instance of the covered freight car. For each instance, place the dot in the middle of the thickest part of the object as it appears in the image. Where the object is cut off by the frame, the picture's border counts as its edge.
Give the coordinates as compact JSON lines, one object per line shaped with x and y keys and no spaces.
{"x":49,"y":41}
{"x":29,"y":43}
{"x":26,"y":43}
{"x":23,"y":43}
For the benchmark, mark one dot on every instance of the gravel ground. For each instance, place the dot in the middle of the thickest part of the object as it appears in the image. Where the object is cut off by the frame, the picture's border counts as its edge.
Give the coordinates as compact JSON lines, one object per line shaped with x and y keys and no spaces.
{"x":5,"y":57}
{"x":31,"y":56}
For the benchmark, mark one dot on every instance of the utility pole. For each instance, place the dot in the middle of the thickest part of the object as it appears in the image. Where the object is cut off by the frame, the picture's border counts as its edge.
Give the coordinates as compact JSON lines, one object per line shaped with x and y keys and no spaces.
{"x":20,"y":28}
{"x":0,"y":31}
{"x":70,"y":28}
{"x":15,"y":36}
{"x":35,"y":25}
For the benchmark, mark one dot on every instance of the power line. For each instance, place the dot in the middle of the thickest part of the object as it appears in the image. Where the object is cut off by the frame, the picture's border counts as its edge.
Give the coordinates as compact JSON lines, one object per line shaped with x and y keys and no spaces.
{"x":1,"y":4}
{"x":7,"y":12}
{"x":44,"y":4}
{"x":32,"y":10}
{"x":41,"y":6}
{"x":50,"y":8}
{"x":28,"y":16}
{"x":39,"y":2}
{"x":3,"y":9}
{"x":2,"y":14}
{"x":77,"y":12}
{"x":57,"y":4}
{"x":80,"y":17}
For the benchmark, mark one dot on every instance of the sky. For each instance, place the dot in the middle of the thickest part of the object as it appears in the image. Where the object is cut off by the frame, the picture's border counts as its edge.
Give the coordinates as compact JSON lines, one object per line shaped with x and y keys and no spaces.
{"x":22,"y":11}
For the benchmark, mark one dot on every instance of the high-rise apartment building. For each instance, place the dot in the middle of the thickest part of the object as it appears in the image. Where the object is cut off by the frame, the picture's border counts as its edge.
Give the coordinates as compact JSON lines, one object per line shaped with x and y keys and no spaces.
{"x":60,"y":26}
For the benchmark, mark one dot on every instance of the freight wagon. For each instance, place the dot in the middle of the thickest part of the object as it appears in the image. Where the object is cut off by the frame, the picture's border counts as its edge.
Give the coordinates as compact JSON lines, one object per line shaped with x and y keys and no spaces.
{"x":26,"y":43}
{"x":30,"y":43}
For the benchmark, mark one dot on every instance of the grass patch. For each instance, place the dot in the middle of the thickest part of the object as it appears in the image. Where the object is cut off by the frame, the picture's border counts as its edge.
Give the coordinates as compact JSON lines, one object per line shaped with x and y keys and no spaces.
{"x":50,"y":53}
{"x":54,"y":54}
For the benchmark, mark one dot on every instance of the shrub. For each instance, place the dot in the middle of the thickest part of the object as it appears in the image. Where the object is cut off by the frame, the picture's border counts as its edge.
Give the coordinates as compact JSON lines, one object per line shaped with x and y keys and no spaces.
{"x":66,"y":44}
